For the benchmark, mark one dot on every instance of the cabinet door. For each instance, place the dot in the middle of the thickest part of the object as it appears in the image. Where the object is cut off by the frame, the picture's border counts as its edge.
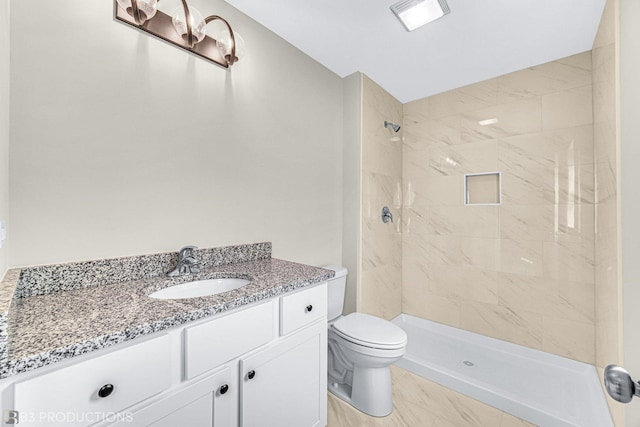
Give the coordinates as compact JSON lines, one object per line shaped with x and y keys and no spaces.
{"x":286,"y":384}
{"x":207,"y":402}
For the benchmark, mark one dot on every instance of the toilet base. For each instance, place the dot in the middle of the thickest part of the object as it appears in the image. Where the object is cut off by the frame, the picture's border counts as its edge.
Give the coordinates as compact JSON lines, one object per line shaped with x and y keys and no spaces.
{"x":371,"y":392}
{"x":361,"y":375}
{"x":342,"y":391}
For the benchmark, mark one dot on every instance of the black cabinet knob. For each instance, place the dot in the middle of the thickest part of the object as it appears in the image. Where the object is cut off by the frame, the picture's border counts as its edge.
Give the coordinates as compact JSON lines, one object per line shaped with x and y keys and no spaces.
{"x":309,"y":308}
{"x":105,"y":390}
{"x":251,"y":374}
{"x":224,"y":389}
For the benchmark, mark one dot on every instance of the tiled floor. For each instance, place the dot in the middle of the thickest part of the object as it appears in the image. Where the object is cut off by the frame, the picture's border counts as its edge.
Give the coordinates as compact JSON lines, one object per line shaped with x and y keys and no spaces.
{"x":418,"y":402}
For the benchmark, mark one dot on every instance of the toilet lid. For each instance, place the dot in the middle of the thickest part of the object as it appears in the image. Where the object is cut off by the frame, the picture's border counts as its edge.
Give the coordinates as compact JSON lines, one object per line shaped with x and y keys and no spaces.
{"x":370,"y":331}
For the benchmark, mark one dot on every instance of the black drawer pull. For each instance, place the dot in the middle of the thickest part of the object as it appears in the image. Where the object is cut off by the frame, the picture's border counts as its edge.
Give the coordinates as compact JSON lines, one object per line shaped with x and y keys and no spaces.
{"x":224,"y":389}
{"x":105,"y":390}
{"x":251,"y":374}
{"x":309,"y":308}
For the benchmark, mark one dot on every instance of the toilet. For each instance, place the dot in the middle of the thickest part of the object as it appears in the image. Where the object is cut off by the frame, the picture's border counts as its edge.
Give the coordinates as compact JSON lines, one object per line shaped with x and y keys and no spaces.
{"x":361,"y":349}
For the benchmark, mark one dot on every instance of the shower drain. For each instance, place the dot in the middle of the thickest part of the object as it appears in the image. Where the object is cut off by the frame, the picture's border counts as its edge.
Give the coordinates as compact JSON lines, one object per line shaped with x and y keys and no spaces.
{"x":469,"y":363}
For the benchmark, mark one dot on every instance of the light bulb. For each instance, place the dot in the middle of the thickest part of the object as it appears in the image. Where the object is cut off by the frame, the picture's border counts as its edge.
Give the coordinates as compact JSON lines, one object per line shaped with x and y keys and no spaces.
{"x":224,"y":44}
{"x":197,"y":25}
{"x":147,"y":8}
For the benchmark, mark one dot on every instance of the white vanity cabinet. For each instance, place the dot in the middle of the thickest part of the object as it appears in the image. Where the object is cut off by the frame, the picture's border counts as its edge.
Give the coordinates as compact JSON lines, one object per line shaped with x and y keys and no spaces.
{"x":261,"y":365}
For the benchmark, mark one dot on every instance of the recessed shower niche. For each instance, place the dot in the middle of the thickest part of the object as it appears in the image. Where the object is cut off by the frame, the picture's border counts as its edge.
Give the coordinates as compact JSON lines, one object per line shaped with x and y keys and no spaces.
{"x":482,"y":188}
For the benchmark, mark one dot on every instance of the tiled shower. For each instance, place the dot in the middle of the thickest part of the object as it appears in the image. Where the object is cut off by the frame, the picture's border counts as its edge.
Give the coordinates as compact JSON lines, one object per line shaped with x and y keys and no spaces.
{"x":540,"y":268}
{"x":521,"y":271}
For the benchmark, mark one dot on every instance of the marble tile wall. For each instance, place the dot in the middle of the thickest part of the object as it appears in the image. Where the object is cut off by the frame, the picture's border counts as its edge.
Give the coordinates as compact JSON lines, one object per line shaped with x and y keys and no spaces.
{"x":380,"y":289}
{"x":522,"y":271}
{"x":608,"y":289}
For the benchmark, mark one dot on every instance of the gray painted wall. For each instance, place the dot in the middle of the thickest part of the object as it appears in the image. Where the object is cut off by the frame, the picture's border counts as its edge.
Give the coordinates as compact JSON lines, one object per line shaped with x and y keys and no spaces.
{"x":4,"y":125}
{"x":122,"y":144}
{"x":352,"y":186}
{"x":630,"y":196}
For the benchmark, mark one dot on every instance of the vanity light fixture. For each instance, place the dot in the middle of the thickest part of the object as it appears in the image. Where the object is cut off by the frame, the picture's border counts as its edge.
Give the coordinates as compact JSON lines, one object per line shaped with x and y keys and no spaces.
{"x":184,"y":29}
{"x":415,"y":13}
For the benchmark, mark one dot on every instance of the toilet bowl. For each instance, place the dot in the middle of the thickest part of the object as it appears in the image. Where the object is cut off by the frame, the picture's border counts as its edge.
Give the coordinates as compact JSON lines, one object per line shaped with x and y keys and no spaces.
{"x":361,"y":349}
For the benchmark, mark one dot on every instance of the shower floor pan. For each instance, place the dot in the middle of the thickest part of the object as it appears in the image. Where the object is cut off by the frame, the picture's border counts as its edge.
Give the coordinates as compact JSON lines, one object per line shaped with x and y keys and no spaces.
{"x":539,"y":387}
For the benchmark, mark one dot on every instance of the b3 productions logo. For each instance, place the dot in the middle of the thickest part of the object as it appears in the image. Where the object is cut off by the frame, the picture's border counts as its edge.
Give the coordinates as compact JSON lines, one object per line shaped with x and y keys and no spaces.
{"x":11,"y":417}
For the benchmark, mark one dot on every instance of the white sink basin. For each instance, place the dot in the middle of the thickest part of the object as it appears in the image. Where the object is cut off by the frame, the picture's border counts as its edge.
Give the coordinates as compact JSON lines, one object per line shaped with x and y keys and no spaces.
{"x":199,"y":288}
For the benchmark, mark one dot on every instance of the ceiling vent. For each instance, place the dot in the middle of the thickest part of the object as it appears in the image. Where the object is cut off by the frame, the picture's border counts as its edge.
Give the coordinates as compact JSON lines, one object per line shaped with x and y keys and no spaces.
{"x":415,"y":13}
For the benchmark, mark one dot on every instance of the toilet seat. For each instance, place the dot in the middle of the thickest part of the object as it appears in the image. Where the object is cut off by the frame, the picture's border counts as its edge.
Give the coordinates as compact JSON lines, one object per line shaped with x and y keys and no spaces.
{"x":370,"y":331}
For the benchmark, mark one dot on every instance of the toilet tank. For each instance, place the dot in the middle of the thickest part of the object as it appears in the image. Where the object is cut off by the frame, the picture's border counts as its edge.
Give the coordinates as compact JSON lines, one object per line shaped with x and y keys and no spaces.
{"x":335,"y":292}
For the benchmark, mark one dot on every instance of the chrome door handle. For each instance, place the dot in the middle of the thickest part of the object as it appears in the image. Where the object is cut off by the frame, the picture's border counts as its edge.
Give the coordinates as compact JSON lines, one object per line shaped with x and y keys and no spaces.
{"x":619,"y":384}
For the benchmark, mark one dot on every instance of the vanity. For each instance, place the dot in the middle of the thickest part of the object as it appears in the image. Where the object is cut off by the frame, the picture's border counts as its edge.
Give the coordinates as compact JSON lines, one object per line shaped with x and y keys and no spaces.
{"x":106,"y":354}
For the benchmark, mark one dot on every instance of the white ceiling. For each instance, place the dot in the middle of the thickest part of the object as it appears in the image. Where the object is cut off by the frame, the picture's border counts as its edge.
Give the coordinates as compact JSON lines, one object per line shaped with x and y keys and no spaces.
{"x":479,"y":39}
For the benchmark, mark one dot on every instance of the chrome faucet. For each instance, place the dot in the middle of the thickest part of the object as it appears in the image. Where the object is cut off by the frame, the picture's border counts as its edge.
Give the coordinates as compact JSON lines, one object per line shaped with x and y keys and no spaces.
{"x":187,"y":262}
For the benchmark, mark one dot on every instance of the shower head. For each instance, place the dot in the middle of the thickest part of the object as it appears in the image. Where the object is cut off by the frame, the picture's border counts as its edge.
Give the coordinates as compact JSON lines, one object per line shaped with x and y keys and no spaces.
{"x":393,"y":126}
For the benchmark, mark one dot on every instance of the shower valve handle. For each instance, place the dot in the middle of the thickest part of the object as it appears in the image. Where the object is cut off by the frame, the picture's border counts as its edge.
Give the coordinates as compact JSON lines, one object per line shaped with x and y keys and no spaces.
{"x":386,"y":215}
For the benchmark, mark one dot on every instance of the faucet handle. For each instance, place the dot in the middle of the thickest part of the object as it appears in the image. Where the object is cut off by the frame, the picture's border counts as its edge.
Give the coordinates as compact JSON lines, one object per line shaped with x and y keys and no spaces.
{"x":186,"y":251}
{"x":190,"y":265}
{"x":187,"y":262}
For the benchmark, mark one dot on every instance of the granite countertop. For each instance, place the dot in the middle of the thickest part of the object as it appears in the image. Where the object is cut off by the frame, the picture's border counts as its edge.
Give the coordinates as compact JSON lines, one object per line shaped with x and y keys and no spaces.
{"x":51,"y":326}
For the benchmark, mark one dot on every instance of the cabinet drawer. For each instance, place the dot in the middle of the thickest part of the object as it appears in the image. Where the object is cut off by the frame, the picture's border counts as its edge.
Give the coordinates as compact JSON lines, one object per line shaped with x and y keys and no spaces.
{"x":69,"y":396}
{"x":302,"y":308}
{"x":213,"y":343}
